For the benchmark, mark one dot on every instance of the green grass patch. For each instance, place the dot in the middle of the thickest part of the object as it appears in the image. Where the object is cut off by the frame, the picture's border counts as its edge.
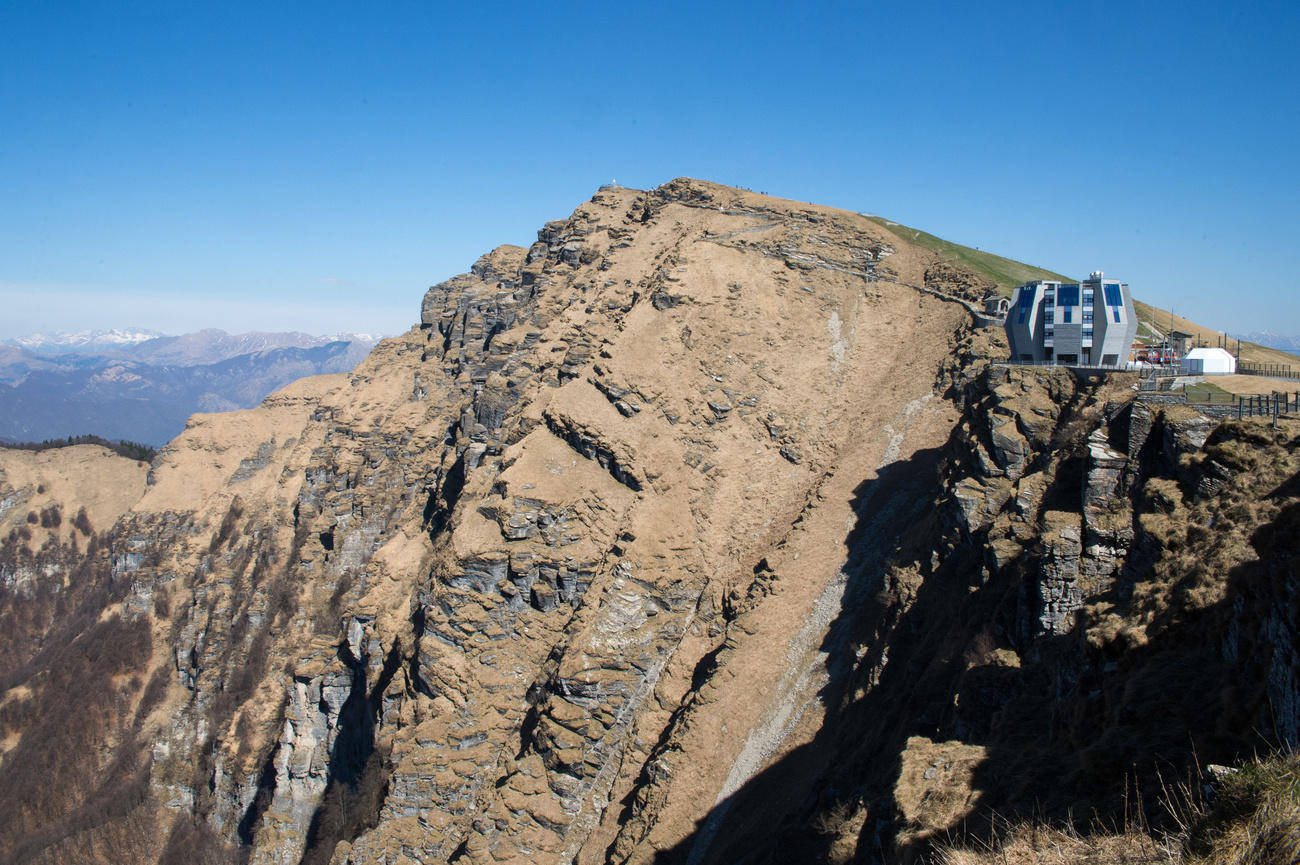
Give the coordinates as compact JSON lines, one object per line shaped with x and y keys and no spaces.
{"x":1006,"y":272}
{"x":1205,"y":393}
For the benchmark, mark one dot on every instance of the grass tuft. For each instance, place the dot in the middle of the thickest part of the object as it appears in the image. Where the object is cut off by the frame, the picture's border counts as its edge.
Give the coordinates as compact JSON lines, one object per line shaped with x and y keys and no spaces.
{"x":1249,"y":815}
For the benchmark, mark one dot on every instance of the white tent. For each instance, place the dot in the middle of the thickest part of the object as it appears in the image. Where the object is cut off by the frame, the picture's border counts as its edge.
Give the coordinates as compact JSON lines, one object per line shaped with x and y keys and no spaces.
{"x":1209,"y":361}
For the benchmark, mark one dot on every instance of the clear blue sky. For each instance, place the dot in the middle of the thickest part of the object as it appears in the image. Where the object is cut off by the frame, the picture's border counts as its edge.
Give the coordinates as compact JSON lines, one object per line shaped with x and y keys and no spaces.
{"x":315,"y":166}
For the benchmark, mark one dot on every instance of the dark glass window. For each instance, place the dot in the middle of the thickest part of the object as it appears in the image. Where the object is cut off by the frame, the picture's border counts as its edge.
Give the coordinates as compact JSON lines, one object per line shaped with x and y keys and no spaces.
{"x":1025,"y":302}
{"x":1087,"y":316}
{"x":1087,"y":333}
{"x":1067,"y":295}
{"x":1116,"y":311}
{"x":1066,"y":320}
{"x":1049,"y":316}
{"x":1113,"y":296}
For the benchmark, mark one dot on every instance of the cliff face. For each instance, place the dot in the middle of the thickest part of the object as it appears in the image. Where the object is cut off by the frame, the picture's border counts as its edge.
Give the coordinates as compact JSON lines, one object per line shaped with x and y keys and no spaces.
{"x":702,"y":527}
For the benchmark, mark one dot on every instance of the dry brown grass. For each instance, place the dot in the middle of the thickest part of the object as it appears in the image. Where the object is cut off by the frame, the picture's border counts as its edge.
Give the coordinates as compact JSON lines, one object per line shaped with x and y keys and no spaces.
{"x":1251,"y":817}
{"x":1044,"y":845}
{"x":1205,"y":541}
{"x":1208,"y":336}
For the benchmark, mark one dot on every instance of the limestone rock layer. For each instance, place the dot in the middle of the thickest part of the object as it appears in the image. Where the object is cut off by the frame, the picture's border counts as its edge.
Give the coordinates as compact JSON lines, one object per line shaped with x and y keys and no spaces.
{"x":614,"y":541}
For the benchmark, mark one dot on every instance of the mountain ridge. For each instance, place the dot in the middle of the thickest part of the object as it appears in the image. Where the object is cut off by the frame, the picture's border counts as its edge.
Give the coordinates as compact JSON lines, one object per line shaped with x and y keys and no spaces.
{"x":83,"y":340}
{"x":144,"y":392}
{"x":707,"y":526}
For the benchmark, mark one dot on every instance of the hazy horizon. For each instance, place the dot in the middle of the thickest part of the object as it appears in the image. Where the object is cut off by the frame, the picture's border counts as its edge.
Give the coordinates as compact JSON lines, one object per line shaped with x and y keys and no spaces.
{"x":261,"y":168}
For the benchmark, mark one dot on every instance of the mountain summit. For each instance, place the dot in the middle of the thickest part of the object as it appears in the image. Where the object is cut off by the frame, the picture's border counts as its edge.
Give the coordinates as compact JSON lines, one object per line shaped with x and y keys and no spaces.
{"x":705,"y":528}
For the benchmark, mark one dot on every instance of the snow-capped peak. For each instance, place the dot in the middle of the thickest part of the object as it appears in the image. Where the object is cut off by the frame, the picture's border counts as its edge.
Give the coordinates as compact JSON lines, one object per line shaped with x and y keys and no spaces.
{"x":84,"y":340}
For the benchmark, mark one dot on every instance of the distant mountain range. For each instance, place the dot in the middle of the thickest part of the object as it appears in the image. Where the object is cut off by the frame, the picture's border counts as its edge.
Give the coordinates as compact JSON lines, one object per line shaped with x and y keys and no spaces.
{"x":142,"y":386}
{"x":1272,"y":340}
{"x":203,"y":346}
{"x":60,"y":341}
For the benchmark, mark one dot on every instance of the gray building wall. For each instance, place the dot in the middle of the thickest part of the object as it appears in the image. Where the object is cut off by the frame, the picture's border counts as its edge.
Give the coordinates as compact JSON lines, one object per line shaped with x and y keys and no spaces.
{"x":1092,"y":322}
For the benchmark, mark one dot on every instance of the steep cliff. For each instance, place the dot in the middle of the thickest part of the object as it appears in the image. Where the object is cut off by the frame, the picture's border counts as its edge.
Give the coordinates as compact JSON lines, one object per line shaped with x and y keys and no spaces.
{"x":702,"y":529}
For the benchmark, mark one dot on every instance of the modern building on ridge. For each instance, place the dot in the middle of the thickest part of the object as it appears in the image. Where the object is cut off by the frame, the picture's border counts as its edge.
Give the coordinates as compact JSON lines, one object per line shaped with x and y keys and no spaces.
{"x":1089,"y":323}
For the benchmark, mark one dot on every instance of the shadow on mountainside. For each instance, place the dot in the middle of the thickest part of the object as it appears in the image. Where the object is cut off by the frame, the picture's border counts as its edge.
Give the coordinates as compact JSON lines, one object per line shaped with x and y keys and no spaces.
{"x":930,"y":642}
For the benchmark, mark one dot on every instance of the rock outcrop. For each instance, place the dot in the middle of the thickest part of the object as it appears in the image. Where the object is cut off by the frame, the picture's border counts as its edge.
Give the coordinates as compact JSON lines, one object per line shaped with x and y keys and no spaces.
{"x":704,"y":526}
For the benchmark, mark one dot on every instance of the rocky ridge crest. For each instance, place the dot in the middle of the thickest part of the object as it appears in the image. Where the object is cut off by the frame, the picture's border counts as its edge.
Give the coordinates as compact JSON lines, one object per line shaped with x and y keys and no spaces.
{"x":616,"y":556}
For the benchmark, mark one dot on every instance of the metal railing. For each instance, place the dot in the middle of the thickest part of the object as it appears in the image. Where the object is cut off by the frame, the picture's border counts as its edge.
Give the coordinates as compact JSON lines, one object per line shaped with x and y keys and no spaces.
{"x":1113,"y":367}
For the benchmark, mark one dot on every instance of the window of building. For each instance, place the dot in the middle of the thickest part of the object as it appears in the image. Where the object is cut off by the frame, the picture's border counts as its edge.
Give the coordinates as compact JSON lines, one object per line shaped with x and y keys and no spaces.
{"x":1049,"y":316}
{"x":1067,"y":311}
{"x":1068,"y":295}
{"x":1116,"y":311}
{"x":1113,"y":296}
{"x":1024,"y":303}
{"x":1087,"y":333}
{"x":1087,"y":316}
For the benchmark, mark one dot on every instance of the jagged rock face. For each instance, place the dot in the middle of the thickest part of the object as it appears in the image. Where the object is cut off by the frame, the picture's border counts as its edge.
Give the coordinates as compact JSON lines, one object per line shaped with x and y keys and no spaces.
{"x":477,"y":574}
{"x":633,"y":530}
{"x":1063,"y":629}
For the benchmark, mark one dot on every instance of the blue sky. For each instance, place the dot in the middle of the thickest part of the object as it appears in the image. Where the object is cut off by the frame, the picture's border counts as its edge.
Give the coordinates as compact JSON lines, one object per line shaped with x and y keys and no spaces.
{"x":315,"y":166}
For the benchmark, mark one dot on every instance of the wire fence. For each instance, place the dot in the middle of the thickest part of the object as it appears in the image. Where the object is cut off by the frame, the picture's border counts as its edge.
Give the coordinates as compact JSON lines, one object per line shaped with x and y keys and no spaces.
{"x":1272,"y":370}
{"x":1268,"y":405}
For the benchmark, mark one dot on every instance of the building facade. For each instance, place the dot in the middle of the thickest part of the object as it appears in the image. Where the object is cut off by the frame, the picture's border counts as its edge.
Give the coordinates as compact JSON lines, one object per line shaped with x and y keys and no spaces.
{"x":1208,"y":361}
{"x":1089,"y":323}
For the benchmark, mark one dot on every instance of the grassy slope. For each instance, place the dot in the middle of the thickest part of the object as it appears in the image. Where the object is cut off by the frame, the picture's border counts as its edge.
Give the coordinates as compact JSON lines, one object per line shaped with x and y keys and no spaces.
{"x":1159,"y":319}
{"x":1008,"y":274}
